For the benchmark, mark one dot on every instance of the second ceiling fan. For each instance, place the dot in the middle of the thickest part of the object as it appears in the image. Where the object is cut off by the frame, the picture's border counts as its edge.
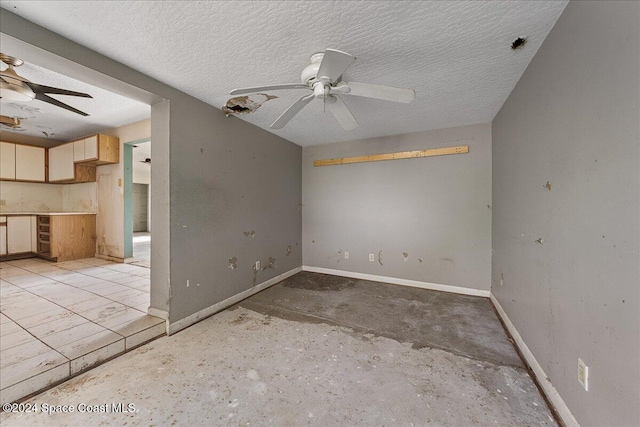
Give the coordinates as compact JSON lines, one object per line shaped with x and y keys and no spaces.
{"x":323,"y":78}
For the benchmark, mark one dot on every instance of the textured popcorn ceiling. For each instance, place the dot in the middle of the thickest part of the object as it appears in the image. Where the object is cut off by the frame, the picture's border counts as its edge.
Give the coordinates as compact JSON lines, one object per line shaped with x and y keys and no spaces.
{"x":106,"y":110}
{"x":456,"y":55}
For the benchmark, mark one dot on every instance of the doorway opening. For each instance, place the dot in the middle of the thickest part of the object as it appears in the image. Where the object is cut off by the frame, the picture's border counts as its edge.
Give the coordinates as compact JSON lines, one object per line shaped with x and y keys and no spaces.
{"x":137,"y":202}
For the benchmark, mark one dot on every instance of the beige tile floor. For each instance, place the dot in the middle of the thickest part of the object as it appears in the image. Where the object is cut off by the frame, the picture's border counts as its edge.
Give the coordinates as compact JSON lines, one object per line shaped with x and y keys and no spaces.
{"x":142,"y":249}
{"x":58,"y":319}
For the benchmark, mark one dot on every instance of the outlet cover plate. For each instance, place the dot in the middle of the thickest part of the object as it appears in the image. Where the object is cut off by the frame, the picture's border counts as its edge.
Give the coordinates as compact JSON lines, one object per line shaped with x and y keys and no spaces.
{"x":583,"y":374}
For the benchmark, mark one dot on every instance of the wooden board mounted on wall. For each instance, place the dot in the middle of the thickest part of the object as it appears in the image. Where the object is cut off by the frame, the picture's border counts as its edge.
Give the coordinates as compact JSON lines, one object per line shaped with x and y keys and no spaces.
{"x":462,"y":149}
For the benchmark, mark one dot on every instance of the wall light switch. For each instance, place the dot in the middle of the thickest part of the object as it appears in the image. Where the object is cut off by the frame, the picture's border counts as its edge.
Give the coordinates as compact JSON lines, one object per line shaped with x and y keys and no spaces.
{"x":372,"y":257}
{"x":583,"y":374}
{"x":346,"y":255}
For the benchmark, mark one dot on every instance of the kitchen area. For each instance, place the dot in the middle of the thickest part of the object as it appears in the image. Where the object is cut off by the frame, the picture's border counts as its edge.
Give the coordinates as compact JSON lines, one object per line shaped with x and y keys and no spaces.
{"x":48,"y":198}
{"x":63,"y":306}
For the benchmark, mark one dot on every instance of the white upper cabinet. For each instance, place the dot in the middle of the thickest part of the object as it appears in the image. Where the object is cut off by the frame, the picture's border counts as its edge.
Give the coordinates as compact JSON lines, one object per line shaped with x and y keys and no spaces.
{"x":7,"y":160}
{"x":30,"y":163}
{"x":78,"y":151}
{"x":91,"y":148}
{"x":61,"y":166}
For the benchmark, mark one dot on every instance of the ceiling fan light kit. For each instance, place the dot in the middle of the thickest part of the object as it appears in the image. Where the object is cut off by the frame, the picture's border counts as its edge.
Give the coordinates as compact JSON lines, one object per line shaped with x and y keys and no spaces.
{"x":14,"y":87}
{"x":323,"y":77}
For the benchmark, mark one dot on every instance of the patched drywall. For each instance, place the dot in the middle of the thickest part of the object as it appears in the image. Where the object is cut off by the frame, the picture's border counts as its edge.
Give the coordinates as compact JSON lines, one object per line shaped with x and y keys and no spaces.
{"x":425,"y":219}
{"x":235,"y":199}
{"x":566,"y":226}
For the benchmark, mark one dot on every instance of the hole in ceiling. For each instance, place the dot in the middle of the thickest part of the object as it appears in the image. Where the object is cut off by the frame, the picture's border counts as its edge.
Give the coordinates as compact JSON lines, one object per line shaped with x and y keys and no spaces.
{"x":519,"y":43}
{"x":246,"y":104}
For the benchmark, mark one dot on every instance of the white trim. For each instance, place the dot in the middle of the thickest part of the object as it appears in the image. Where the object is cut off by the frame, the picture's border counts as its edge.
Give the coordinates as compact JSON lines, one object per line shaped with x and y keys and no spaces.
{"x":162,"y":314}
{"x":396,"y":281}
{"x":204,"y":313}
{"x":548,"y":388}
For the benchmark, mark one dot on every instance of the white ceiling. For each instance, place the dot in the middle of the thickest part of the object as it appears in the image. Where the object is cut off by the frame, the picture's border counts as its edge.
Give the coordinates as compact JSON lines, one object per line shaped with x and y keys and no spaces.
{"x":456,"y":55}
{"x":106,"y":110}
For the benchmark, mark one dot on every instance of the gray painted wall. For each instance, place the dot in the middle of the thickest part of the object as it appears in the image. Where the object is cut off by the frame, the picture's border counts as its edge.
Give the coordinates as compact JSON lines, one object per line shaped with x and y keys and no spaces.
{"x":573,"y":120}
{"x":435,"y":209}
{"x":213,"y":178}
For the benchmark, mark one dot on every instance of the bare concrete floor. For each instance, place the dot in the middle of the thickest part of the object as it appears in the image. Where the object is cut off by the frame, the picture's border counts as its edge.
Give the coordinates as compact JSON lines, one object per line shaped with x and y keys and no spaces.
{"x":316,"y":350}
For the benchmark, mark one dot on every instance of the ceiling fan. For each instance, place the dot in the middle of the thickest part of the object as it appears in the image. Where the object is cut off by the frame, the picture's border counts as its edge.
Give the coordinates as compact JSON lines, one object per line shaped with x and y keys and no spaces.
{"x":323,"y":78}
{"x":17,"y":88}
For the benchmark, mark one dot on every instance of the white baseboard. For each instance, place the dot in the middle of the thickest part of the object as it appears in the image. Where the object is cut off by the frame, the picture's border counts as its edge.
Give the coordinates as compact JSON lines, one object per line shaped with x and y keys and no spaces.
{"x":204,"y":313}
{"x":548,"y":388}
{"x":396,"y":281}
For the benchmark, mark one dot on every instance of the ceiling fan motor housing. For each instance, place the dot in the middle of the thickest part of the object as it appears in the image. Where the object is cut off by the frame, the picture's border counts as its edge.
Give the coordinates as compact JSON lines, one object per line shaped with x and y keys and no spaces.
{"x":13,"y":86}
{"x":310,"y":72}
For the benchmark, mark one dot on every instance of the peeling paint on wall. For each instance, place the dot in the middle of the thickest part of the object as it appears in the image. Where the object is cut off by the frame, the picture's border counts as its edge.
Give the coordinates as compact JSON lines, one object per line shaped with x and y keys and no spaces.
{"x":249,"y":233}
{"x":547,"y":186}
{"x":420,"y":260}
{"x":246,"y":104}
{"x":288,"y":250}
{"x":405,"y":256}
{"x":380,"y":257}
{"x":233,"y":263}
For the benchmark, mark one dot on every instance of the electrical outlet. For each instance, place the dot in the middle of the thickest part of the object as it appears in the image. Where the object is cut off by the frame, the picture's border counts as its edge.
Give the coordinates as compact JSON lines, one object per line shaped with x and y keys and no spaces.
{"x":257,"y":266}
{"x":346,"y":255}
{"x":372,"y":257}
{"x":583,"y":374}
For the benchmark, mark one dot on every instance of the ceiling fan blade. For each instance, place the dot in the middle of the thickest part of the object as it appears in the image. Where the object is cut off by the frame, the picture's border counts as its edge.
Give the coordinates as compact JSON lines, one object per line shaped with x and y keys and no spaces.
{"x":381,"y":92}
{"x":48,"y":99}
{"x":291,"y":111}
{"x":268,"y":88}
{"x":333,"y":64}
{"x":36,"y":88}
{"x":342,"y":113}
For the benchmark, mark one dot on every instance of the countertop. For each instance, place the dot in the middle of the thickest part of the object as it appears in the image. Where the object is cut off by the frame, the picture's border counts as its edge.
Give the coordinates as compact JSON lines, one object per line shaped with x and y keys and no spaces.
{"x":45,"y":213}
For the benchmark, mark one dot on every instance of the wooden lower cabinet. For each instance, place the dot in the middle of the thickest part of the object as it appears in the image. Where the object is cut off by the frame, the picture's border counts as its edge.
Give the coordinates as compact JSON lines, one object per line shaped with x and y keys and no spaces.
{"x":66,"y":237}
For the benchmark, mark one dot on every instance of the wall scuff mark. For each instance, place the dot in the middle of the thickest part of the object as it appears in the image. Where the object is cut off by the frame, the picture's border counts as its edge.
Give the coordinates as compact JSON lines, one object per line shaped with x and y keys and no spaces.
{"x":233,"y":263}
{"x":272,"y":263}
{"x":420,"y":260}
{"x":405,"y":256}
{"x":245,"y":104}
{"x":249,"y":233}
{"x":540,"y":240}
{"x":288,"y":250}
{"x":547,"y":186}
{"x":380,"y":257}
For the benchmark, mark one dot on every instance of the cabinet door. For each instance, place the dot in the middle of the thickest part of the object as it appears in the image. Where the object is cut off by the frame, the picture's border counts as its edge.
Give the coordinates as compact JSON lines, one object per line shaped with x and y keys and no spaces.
{"x":7,"y":160}
{"x":3,"y":235}
{"x":3,"y":239}
{"x":61,"y":163}
{"x":78,"y":151}
{"x":91,"y":148}
{"x":34,"y":233}
{"x":18,"y":234}
{"x":29,"y":163}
